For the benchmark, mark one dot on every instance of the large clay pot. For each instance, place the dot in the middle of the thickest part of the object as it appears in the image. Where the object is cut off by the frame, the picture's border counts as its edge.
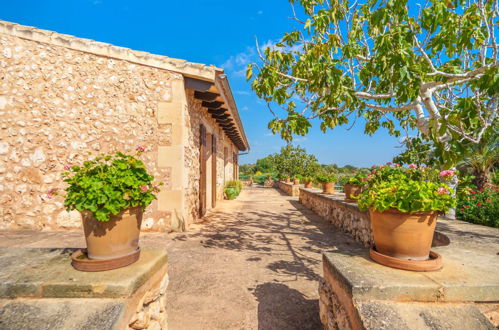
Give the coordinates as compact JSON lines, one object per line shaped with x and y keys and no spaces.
{"x":309,"y":184}
{"x":288,"y":180}
{"x":328,"y":188}
{"x":352,"y":190}
{"x":296,"y":181}
{"x":115,"y":238}
{"x":403,"y":235}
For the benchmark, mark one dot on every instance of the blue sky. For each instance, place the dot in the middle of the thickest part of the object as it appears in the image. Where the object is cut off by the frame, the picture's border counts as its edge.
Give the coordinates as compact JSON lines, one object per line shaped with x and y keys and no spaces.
{"x":211,"y":32}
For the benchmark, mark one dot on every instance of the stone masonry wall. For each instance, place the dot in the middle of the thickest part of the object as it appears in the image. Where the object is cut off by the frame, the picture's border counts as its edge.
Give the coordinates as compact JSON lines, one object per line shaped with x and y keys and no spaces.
{"x":196,"y":115}
{"x":59,"y":105}
{"x":289,"y":188}
{"x":151,"y":310}
{"x":345,"y":216}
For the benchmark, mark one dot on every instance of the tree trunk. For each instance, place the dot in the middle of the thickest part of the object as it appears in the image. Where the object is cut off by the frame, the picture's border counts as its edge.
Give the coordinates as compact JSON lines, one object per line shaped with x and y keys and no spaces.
{"x":451,"y":214}
{"x":482,"y":179}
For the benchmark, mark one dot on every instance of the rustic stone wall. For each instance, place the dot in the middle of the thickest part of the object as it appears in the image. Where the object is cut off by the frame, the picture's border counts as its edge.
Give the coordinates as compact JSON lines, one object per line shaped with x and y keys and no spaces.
{"x":197,"y":115}
{"x":345,"y":216}
{"x":58,"y":105}
{"x":288,"y":188}
{"x":151,"y":309}
{"x":332,"y":313}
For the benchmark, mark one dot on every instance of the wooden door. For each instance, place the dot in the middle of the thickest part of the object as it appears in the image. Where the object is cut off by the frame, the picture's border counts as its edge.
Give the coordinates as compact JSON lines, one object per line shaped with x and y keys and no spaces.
{"x":202,"y":171}
{"x":213,"y":170}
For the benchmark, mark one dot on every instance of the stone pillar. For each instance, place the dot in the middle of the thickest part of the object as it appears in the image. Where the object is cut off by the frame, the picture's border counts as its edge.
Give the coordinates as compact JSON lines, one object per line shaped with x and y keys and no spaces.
{"x":171,"y":155}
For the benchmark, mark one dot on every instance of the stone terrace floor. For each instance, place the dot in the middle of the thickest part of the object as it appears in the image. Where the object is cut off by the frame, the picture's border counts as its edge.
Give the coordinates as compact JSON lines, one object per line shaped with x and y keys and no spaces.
{"x":253,"y":263}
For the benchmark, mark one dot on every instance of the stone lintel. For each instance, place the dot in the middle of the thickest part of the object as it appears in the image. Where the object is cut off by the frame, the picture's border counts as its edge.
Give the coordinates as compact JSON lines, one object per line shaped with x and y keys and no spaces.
{"x":47,"y":273}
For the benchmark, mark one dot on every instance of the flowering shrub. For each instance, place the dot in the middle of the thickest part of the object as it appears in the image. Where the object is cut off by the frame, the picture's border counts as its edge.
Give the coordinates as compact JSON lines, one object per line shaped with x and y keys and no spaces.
{"x":109,"y":184}
{"x":480,"y":206}
{"x":410,"y":189}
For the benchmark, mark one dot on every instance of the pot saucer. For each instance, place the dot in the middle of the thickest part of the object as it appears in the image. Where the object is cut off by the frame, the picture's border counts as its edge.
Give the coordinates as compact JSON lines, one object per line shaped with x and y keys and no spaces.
{"x":432,"y":264}
{"x":80,"y":261}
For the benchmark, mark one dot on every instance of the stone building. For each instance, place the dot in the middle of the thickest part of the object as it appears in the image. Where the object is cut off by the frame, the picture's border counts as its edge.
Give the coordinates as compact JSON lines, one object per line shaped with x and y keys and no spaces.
{"x":62,"y":98}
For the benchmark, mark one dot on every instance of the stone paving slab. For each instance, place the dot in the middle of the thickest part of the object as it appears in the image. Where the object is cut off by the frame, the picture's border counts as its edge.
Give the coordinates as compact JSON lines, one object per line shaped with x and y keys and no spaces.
{"x":415,"y":316}
{"x":465,"y":277}
{"x":60,"y":314}
{"x":47,"y":273}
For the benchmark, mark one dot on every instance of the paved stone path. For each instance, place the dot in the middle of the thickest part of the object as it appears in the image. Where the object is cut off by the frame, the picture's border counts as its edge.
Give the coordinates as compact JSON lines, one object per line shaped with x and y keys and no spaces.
{"x":253,"y":263}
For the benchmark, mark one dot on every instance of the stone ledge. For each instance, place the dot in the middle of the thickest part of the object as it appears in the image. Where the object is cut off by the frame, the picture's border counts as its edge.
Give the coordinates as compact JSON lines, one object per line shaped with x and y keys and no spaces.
{"x":55,"y":314}
{"x":362,"y":278}
{"x":288,"y":188}
{"x":47,"y":273}
{"x":195,"y":70}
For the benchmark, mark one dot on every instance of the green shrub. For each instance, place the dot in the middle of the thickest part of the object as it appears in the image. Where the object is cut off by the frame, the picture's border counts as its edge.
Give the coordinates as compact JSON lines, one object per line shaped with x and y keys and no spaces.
{"x":231,"y":192}
{"x":233,"y":188}
{"x":479,"y":206}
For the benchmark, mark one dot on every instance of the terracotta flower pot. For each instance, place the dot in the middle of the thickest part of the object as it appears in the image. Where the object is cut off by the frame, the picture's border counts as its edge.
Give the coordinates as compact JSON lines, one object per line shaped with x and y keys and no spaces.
{"x":403,"y":235}
{"x":296,"y":181}
{"x":288,"y":180}
{"x":328,"y":188}
{"x":308,"y":184}
{"x":115,"y":238}
{"x":352,"y":190}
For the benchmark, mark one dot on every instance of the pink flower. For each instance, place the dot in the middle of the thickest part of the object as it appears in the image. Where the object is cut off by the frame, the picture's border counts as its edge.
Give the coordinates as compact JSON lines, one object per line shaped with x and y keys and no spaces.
{"x":479,"y":204}
{"x":374,"y":166}
{"x":396,"y":165}
{"x":389,"y":163}
{"x":447,"y":174}
{"x":68,"y":166}
{"x":413,"y":166}
{"x":51,"y":192}
{"x":144,"y":188}
{"x":140,"y":148}
{"x":382,"y":166}
{"x":443,"y":191}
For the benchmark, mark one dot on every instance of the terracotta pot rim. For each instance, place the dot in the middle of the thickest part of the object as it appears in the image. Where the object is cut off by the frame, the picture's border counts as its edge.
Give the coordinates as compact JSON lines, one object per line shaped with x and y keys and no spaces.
{"x":395,"y":211}
{"x":112,"y":215}
{"x":433,"y":263}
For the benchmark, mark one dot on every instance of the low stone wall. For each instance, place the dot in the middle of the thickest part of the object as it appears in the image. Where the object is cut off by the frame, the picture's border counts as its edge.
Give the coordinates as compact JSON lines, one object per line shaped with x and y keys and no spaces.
{"x":357,"y":293}
{"x":343,"y":215}
{"x":289,"y":188}
{"x":132,"y":297}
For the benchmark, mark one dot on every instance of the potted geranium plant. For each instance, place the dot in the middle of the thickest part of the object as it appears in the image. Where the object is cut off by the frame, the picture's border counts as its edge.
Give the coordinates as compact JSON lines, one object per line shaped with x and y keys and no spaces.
{"x":308,"y":181}
{"x":111,"y":192}
{"x":287,"y":178}
{"x":296,"y":179}
{"x":403,"y":205}
{"x":353,"y":187}
{"x":327,"y":180}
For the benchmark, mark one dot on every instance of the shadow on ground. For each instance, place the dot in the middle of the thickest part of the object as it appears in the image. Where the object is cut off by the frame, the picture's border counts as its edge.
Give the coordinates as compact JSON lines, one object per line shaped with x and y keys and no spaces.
{"x":280,"y":307}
